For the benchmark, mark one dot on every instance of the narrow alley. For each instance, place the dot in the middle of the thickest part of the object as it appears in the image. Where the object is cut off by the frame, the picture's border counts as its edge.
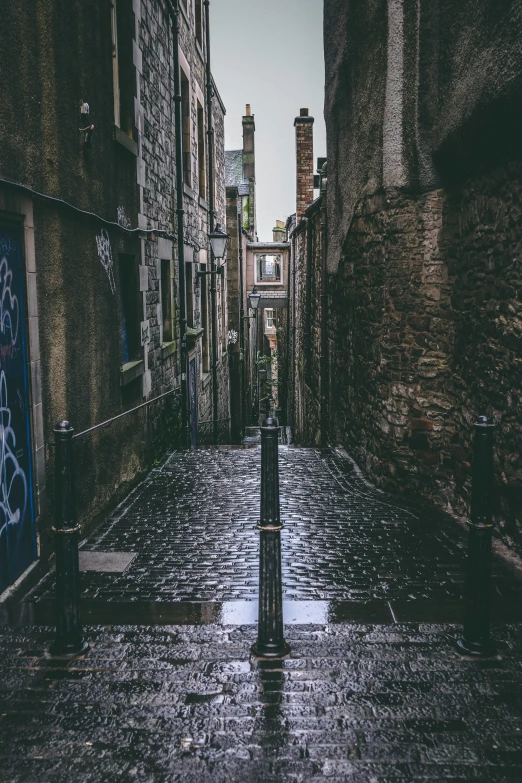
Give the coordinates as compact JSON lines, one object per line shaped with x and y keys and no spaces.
{"x":261,"y":391}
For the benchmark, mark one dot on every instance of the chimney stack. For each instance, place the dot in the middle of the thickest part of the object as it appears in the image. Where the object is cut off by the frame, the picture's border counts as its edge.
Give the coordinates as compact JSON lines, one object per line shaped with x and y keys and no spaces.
{"x":304,"y":137}
{"x":279,"y":231}
{"x":249,"y":167}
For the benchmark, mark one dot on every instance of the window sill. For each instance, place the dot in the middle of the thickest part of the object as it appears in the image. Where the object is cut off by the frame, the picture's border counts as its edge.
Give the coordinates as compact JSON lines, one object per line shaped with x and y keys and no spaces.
{"x":205,"y":379}
{"x":121,"y":138}
{"x":167,"y":349}
{"x":203,"y":203}
{"x":188,"y":191}
{"x":131,"y":371}
{"x":194,"y":334}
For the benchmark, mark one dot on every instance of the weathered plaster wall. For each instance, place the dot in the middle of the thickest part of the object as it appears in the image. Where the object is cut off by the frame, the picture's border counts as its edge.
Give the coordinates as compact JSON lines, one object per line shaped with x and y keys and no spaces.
{"x":407,"y":80}
{"x":53,"y":56}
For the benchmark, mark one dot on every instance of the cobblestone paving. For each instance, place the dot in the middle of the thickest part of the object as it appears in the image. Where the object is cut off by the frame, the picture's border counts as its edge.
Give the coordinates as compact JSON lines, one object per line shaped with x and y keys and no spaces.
{"x":192,"y":525}
{"x":355,"y":703}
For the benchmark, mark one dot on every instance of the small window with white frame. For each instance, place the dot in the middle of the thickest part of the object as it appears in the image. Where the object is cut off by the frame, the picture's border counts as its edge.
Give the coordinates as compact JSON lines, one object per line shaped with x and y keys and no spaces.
{"x":269,"y":269}
{"x":269,"y":318}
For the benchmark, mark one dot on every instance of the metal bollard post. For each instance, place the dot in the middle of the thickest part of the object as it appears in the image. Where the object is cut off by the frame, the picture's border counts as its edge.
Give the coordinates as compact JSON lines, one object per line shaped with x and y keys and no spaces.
{"x":476,"y":639}
{"x":69,"y":638}
{"x":270,"y":635}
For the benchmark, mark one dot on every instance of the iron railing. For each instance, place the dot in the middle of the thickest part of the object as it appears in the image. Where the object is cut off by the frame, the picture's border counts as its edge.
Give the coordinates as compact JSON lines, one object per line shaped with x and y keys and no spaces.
{"x":205,"y":432}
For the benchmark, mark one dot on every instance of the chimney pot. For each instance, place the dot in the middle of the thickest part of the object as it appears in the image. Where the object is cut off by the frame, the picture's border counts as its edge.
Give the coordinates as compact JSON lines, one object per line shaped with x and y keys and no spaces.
{"x":248,"y":110}
{"x":304,"y":112}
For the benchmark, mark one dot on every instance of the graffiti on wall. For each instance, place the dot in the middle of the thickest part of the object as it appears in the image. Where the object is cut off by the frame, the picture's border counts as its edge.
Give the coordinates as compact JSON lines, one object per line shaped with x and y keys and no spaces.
{"x":14,"y":445}
{"x":9,"y":311}
{"x":13,"y":482}
{"x":103,"y":244}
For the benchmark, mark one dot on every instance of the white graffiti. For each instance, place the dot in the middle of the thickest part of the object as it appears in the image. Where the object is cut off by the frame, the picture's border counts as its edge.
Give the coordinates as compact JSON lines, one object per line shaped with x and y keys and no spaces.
{"x":7,"y":245}
{"x":13,"y":483}
{"x":9,"y":308}
{"x":105,"y":255}
{"x":123,"y":220}
{"x":232,"y":336}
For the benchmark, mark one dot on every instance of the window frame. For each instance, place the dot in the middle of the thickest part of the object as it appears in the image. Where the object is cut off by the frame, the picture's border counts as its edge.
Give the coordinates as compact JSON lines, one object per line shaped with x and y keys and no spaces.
{"x":129,"y":301}
{"x":279,"y":282}
{"x":186,"y":121}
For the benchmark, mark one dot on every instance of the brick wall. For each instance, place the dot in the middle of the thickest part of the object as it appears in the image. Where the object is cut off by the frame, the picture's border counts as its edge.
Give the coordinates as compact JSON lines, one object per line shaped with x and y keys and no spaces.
{"x":304,"y":140}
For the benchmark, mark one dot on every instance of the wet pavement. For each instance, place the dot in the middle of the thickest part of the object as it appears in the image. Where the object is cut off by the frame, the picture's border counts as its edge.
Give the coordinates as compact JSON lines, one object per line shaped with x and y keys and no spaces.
{"x":373,"y":691}
{"x":192,"y":527}
{"x":358,"y":703}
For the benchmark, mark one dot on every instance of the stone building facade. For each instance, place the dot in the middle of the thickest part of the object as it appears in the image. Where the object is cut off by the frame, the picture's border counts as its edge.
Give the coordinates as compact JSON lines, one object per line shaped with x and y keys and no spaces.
{"x":240,"y":180}
{"x":423,"y":275}
{"x":88,"y":240}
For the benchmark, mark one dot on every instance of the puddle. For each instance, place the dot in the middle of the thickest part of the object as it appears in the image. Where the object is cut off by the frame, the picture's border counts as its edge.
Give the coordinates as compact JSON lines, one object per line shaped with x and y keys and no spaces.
{"x":97,"y":612}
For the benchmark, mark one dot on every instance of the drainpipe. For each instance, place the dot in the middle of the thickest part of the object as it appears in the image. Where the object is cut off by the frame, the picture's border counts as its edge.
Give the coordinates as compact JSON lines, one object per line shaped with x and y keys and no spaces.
{"x":291,"y":399}
{"x":324,"y":314}
{"x":174,"y":15}
{"x":288,"y":329}
{"x":211,"y":212}
{"x":241,"y":319}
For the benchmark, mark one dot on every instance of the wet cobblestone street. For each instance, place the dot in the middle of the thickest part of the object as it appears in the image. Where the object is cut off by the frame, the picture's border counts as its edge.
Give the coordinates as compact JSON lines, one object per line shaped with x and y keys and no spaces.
{"x":364,"y":703}
{"x":343,"y":539}
{"x":384,"y":698}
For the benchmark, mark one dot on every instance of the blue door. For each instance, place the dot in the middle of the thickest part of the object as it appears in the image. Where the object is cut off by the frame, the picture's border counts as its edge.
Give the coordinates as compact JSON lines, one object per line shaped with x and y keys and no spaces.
{"x":17,"y":528}
{"x":193,"y":404}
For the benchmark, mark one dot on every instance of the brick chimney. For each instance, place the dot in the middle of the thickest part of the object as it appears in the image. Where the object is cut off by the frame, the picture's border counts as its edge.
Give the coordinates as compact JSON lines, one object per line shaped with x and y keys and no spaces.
{"x":304,"y":137}
{"x":249,"y":165}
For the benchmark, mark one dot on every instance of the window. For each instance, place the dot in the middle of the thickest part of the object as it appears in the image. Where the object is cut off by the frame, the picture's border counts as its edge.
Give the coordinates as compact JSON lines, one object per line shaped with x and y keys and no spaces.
{"x":199,"y":23}
{"x":269,"y":316}
{"x":166,"y":300}
{"x":189,"y":290}
{"x":269,"y":269}
{"x":201,"y":152}
{"x":129,"y":309}
{"x":123,"y":69}
{"x":204,"y":320}
{"x":185,"y":138}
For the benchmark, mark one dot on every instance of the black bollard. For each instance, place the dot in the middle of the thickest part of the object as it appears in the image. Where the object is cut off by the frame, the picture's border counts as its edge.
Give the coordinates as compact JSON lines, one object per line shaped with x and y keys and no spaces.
{"x":270,"y":635}
{"x":69,"y":638}
{"x":476,"y":639}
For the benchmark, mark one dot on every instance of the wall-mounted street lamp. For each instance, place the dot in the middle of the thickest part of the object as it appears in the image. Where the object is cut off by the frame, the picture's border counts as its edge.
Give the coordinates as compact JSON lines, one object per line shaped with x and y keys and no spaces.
{"x":218,"y":243}
{"x":254,"y":298}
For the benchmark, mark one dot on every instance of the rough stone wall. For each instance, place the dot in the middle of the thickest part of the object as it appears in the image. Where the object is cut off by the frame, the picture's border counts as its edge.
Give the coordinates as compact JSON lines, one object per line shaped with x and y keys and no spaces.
{"x":425,"y":313}
{"x":423,"y":124}
{"x":305,"y":303}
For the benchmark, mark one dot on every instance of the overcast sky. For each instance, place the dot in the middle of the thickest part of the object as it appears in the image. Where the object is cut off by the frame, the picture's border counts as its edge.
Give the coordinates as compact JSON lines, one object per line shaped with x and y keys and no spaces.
{"x":269,"y":53}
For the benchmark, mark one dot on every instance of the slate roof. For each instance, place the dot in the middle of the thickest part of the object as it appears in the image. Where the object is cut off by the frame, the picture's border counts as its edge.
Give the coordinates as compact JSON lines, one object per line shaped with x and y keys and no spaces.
{"x":233,"y":167}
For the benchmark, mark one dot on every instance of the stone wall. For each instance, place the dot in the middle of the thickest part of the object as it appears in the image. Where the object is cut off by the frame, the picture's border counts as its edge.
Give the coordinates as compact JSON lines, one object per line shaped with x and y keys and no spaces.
{"x":423,"y":125}
{"x":425,"y":317}
{"x":158,"y":177}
